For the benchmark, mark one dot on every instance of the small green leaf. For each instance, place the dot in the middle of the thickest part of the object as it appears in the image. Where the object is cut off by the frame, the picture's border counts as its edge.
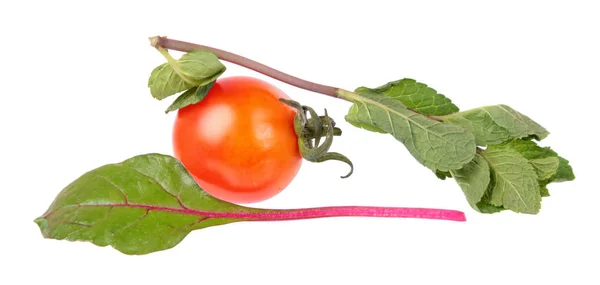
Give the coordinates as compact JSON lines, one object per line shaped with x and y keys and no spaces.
{"x":532,"y":152}
{"x":164,"y":82}
{"x":189,"y":97}
{"x":144,"y":204}
{"x":496,"y":124}
{"x":564,"y":171}
{"x":515,"y":181}
{"x":436,"y":145}
{"x":201,"y":67}
{"x":485,"y":207}
{"x":195,"y":68}
{"x":544,"y":191}
{"x":545,"y":167}
{"x":442,"y":174}
{"x":473,"y":179}
{"x":415,"y":96}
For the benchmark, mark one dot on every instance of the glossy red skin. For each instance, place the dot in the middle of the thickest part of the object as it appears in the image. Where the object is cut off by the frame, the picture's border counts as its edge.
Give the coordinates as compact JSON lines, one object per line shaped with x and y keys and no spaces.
{"x":239,"y":142}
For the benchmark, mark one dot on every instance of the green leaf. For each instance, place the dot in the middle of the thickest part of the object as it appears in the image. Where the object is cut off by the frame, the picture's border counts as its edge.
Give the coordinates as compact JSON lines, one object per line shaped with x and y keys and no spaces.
{"x":496,"y":124}
{"x":436,"y":145}
{"x":144,"y":204}
{"x":564,"y":171}
{"x":164,"y":82}
{"x":531,"y":151}
{"x":544,"y":191}
{"x":545,"y":167}
{"x":473,"y":179}
{"x":189,"y":97}
{"x":201,"y":67}
{"x":442,"y":174}
{"x":515,"y":181}
{"x":485,"y":207}
{"x":415,"y":96}
{"x":195,"y":68}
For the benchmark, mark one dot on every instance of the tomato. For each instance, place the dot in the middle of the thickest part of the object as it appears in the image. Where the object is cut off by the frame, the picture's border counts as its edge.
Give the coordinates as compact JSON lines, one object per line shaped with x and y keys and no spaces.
{"x":239,"y":142}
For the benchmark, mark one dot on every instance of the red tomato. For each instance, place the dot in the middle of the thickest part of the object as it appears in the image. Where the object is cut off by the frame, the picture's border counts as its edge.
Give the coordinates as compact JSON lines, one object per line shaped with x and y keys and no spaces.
{"x":239,"y":142}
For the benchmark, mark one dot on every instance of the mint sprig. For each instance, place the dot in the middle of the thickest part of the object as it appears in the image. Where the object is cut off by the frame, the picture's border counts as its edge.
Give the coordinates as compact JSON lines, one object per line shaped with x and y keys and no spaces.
{"x":511,"y":173}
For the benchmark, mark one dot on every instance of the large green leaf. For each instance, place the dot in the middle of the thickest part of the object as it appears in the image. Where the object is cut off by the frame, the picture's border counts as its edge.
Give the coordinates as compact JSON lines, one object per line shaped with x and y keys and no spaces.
{"x":436,"y":145}
{"x":144,"y":204}
{"x":415,"y":96}
{"x":496,"y":124}
{"x":515,"y":180}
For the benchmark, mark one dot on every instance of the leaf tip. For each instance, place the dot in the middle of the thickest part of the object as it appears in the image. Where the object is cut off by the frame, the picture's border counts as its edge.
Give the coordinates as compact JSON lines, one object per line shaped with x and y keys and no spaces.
{"x":42,"y":223}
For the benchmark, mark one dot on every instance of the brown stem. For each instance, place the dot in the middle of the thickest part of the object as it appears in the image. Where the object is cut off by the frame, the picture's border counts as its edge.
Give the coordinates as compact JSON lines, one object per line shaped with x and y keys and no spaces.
{"x":246,"y":62}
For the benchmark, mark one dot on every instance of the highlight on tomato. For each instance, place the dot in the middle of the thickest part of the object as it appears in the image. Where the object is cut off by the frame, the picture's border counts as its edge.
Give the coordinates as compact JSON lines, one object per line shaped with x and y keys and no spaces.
{"x":239,"y":142}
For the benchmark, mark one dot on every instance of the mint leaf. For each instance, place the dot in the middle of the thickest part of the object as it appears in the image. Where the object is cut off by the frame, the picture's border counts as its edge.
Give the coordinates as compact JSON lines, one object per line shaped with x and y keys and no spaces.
{"x":195,"y":68}
{"x":545,"y":167}
{"x":544,"y":191}
{"x":442,"y":174}
{"x":189,"y":97}
{"x":436,"y":145}
{"x":534,"y":153}
{"x":515,"y":186}
{"x":473,"y":179}
{"x":564,"y":171}
{"x":496,"y":124}
{"x":201,"y":67}
{"x":415,"y":96}
{"x":164,"y":82}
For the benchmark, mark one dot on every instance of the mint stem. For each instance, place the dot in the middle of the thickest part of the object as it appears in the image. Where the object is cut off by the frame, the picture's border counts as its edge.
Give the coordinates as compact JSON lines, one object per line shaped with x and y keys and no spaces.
{"x":247,"y":63}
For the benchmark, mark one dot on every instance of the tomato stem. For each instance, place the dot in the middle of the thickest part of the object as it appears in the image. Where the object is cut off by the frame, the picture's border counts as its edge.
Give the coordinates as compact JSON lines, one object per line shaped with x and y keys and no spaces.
{"x":166,"y":43}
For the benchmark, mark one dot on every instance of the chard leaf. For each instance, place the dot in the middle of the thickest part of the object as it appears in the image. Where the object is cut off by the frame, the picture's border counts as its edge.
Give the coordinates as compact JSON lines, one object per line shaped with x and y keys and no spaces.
{"x":473,"y":179}
{"x":415,"y":96}
{"x":436,"y":145}
{"x":515,"y":186}
{"x":189,"y":97}
{"x":150,"y":203}
{"x":496,"y":124}
{"x":144,"y":204}
{"x":195,"y":68}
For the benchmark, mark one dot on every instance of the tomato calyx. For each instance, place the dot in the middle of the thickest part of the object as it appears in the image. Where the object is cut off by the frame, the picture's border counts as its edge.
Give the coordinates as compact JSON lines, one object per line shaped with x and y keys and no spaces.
{"x":310,"y":131}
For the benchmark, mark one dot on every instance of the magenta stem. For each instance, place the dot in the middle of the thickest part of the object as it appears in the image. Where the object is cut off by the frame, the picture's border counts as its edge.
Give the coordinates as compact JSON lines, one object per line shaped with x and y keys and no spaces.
{"x":360,"y":211}
{"x":302,"y":214}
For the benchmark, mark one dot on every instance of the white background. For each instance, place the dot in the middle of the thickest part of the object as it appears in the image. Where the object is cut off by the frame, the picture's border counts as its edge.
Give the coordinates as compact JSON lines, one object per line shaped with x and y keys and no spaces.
{"x":74,"y":97}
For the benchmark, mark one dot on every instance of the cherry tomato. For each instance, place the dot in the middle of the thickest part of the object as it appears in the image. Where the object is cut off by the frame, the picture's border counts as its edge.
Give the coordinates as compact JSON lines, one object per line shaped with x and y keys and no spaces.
{"x":239,"y":142}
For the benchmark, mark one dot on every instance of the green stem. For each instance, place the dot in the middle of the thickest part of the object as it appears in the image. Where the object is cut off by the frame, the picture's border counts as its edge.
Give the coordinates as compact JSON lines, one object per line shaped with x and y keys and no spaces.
{"x":165,"y":43}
